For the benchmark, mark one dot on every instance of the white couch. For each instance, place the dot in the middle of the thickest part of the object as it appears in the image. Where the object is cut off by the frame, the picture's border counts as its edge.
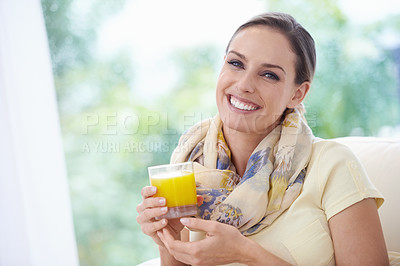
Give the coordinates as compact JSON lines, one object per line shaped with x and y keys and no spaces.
{"x":381,"y":159}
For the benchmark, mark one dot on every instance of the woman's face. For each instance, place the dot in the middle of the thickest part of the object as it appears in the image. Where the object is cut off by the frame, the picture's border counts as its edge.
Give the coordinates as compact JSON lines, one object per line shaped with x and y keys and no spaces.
{"x":256,"y":82}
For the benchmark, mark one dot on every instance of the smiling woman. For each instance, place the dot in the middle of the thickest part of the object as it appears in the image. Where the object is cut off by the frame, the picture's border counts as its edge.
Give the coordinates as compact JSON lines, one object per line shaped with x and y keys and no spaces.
{"x":132,"y":75}
{"x":257,"y":71}
{"x":272,"y":193}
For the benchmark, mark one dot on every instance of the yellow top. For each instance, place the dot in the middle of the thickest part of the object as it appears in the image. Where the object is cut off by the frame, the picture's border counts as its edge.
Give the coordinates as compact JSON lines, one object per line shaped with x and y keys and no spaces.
{"x":334,"y":181}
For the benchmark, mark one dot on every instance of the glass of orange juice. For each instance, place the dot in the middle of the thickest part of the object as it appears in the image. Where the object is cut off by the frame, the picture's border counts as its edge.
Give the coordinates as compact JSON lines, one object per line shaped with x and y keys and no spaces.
{"x":175,"y":183}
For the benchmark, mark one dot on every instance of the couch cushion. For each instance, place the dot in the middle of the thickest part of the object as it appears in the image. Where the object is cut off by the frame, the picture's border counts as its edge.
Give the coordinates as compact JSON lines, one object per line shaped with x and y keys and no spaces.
{"x":381,"y":159}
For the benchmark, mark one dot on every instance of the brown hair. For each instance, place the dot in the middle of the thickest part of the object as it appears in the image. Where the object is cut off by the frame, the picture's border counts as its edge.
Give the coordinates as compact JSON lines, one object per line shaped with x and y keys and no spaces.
{"x":301,"y":42}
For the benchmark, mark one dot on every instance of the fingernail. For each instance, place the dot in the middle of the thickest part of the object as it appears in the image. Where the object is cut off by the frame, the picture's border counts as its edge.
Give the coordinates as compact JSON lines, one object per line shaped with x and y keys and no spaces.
{"x":162,"y":201}
{"x":184,"y":221}
{"x":164,"y":221}
{"x":153,"y":189}
{"x":164,"y":209}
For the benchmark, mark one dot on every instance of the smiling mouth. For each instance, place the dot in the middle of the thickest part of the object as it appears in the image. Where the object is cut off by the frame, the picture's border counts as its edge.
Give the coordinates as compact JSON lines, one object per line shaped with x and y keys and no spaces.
{"x":244,"y":106}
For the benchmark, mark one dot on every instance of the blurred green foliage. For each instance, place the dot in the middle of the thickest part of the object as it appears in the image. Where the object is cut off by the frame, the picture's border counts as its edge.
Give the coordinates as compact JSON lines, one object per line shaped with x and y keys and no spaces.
{"x":110,"y":137}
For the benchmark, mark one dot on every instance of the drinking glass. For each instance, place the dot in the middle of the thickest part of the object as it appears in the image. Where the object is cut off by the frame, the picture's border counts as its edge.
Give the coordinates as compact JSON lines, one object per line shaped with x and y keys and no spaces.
{"x":176,"y":183}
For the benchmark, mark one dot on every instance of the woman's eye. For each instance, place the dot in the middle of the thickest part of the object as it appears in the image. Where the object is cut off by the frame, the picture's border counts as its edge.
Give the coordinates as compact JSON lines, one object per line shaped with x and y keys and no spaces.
{"x":235,"y":63}
{"x":271,"y":75}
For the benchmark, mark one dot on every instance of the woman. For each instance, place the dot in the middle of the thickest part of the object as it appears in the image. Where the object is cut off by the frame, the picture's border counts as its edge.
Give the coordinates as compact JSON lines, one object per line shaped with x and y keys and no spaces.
{"x":273,"y":194}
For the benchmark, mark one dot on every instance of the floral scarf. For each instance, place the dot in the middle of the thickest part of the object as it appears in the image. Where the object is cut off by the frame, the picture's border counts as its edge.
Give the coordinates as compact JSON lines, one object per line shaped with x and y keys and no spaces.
{"x":273,"y":178}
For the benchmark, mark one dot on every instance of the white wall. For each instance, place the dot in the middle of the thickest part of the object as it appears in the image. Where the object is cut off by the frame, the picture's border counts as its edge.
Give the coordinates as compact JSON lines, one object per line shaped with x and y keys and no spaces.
{"x":36,"y":227}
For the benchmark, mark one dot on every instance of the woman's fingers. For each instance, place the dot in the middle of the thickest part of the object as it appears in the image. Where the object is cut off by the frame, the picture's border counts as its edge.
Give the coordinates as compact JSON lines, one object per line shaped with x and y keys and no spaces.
{"x":180,"y":250}
{"x":199,"y":224}
{"x":149,"y":213}
{"x":200,"y":200}
{"x":150,"y":203}
{"x":148,"y":191}
{"x":150,"y":228}
{"x":150,"y":208}
{"x":166,"y":238}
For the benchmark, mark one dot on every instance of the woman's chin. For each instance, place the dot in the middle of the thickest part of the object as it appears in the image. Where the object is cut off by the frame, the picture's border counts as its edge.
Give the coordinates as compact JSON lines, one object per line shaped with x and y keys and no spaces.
{"x":240,"y":125}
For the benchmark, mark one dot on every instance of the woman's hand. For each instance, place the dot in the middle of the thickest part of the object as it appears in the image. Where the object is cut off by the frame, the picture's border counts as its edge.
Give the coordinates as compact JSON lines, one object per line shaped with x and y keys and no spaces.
{"x":152,"y":207}
{"x":223,"y":244}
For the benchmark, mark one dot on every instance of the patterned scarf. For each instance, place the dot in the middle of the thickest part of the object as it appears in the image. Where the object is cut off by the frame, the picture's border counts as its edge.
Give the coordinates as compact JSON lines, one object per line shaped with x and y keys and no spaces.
{"x":273,"y":178}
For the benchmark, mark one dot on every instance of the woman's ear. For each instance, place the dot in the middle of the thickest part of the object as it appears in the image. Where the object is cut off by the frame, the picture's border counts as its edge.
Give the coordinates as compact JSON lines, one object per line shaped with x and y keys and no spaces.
{"x":299,"y":94}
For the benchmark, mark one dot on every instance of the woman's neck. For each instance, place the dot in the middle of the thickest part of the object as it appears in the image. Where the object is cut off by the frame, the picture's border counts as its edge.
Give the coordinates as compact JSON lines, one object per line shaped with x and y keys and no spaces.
{"x":241,"y":145}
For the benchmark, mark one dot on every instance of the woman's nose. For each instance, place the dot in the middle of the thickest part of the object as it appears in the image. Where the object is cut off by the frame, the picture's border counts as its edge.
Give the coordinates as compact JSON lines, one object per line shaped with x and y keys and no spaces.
{"x":246,"y":83}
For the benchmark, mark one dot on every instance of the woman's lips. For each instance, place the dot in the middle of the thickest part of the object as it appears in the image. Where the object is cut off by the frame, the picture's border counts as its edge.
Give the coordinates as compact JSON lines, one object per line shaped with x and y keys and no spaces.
{"x":241,"y":104}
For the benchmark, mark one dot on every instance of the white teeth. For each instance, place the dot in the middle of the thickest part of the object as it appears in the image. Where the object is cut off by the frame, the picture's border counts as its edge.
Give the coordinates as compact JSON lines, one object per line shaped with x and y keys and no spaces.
{"x":241,"y":106}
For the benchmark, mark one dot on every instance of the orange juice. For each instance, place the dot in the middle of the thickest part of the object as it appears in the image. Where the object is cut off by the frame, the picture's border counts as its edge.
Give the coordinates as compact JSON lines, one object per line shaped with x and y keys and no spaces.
{"x":178,"y":188}
{"x":175,"y":183}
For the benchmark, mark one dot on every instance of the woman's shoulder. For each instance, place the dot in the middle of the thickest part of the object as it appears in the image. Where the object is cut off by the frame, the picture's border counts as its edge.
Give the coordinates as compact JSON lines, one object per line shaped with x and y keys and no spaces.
{"x":340,"y":177}
{"x":329,"y":149}
{"x":333,"y":160}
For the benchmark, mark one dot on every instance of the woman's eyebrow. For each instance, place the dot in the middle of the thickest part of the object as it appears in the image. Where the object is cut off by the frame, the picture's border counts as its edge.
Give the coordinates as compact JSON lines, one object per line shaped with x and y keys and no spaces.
{"x":238,"y":54}
{"x":274,"y":66}
{"x":242,"y":56}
